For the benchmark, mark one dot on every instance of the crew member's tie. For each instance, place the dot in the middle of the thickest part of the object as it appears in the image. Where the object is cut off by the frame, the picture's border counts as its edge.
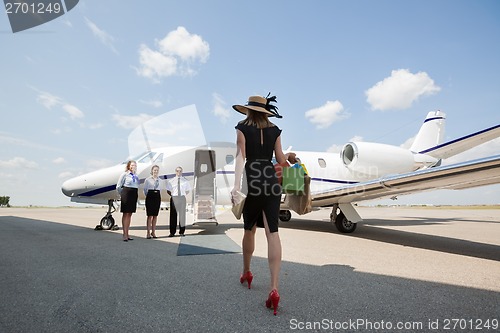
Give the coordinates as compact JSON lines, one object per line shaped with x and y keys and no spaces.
{"x":179,"y":186}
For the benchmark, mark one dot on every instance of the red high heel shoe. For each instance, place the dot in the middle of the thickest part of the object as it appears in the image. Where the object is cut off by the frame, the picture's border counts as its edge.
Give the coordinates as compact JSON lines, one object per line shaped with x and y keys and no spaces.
{"x":273,"y":300}
{"x":246,"y":277}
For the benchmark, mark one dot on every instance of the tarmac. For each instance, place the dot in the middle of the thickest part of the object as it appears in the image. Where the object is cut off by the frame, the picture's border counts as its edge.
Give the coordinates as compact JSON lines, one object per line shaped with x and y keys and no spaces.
{"x":402,"y":270}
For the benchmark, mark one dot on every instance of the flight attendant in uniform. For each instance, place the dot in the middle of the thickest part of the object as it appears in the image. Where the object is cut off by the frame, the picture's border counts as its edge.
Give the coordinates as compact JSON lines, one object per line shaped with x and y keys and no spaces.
{"x":153,"y":200}
{"x":127,"y":186}
{"x":178,"y":187}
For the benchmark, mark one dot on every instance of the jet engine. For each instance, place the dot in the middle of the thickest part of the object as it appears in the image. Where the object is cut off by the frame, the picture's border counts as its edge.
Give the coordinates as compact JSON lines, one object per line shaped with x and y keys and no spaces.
{"x":376,"y":159}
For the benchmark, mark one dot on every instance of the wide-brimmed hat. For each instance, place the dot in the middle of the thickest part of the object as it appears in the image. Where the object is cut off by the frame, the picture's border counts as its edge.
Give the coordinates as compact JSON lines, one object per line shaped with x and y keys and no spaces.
{"x":259,"y":104}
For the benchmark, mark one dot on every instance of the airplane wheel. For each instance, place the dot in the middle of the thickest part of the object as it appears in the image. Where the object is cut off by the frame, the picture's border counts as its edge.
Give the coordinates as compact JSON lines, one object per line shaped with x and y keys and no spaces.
{"x":285,"y":215}
{"x":344,"y":225}
{"x":107,"y":222}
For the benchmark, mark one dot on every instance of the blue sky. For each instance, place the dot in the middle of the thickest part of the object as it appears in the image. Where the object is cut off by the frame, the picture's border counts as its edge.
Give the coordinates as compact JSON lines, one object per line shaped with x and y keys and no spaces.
{"x":74,"y":88}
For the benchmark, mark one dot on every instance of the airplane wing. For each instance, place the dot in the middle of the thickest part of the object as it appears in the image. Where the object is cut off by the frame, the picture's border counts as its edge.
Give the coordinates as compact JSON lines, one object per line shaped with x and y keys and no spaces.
{"x":460,"y":145}
{"x":464,"y":175}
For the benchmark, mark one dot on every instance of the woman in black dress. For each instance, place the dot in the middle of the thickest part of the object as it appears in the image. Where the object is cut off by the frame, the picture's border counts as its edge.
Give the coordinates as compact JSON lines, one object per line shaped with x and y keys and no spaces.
{"x":257,"y":139}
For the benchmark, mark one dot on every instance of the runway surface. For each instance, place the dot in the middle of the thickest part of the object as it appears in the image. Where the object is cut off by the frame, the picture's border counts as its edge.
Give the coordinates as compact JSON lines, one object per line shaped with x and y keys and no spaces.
{"x":403,"y":269}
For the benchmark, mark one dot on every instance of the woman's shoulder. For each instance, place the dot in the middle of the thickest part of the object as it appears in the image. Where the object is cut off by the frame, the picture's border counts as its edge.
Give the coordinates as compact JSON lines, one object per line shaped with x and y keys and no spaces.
{"x":273,"y":127}
{"x":241,"y":124}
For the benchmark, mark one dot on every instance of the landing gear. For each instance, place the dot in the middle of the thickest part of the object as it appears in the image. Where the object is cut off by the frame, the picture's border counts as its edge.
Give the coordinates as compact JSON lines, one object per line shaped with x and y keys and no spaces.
{"x":341,"y":222}
{"x":285,"y":215}
{"x":108,"y":222}
{"x":344,"y":225}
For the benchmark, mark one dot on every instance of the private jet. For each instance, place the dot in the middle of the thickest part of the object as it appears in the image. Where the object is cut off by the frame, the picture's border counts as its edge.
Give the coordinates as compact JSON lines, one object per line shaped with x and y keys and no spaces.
{"x":362,"y":171}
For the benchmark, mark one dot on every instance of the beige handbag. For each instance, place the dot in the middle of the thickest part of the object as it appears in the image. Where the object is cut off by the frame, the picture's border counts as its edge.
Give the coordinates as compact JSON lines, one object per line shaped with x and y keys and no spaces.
{"x":301,"y":203}
{"x":238,"y":204}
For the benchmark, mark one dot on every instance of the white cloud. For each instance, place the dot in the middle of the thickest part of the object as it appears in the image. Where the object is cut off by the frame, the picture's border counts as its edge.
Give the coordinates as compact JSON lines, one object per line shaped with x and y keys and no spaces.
{"x":18,"y":163}
{"x":220,"y":110}
{"x":59,"y":160}
{"x":102,"y":35}
{"x":188,"y":47}
{"x":129,"y":122}
{"x":334,"y":148}
{"x":73,"y":111}
{"x":400,"y":90}
{"x":327,"y":114}
{"x":175,"y":55}
{"x":48,"y":100}
{"x":155,"y":65}
{"x":338,"y":148}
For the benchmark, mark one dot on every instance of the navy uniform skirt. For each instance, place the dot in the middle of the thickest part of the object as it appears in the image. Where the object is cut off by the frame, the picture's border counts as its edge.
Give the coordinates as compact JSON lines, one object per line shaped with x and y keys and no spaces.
{"x":129,"y":200}
{"x":153,"y":200}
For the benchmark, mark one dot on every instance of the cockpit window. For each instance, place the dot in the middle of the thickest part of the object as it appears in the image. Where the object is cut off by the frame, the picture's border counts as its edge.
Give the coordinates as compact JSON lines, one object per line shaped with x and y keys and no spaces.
{"x":142,"y":158}
{"x":148,"y":158}
{"x":159,"y":159}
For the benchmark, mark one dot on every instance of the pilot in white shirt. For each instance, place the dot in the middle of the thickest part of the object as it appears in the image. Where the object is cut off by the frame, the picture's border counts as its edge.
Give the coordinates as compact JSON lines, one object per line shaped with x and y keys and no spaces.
{"x":178,"y":187}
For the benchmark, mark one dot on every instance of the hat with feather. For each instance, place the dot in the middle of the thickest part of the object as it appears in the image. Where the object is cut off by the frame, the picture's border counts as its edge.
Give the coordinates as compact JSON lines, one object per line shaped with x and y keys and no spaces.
{"x":260,"y":104}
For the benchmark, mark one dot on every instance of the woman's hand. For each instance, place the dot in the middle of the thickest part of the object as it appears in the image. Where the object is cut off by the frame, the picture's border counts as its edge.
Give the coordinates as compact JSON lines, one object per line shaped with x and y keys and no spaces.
{"x":234,"y":194}
{"x":291,"y":157}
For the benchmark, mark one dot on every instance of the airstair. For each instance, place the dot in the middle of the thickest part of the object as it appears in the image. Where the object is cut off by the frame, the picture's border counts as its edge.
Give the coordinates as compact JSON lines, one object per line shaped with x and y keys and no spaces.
{"x":204,"y":189}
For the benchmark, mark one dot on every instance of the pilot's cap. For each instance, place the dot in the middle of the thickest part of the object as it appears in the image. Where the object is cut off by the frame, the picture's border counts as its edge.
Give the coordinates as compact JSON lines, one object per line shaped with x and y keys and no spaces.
{"x":259,"y":104}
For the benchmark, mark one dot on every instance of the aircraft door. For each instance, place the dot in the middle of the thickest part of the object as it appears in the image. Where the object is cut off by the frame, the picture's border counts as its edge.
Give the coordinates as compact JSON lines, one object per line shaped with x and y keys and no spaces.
{"x":204,"y":193}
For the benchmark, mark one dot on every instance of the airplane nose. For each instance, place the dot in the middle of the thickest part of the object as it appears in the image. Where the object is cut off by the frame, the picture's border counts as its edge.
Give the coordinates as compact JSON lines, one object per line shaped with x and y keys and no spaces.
{"x":68,"y":188}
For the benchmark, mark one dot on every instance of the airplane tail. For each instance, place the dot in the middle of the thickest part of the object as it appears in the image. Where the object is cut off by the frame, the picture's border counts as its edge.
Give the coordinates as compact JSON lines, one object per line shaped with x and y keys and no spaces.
{"x":431,"y":133}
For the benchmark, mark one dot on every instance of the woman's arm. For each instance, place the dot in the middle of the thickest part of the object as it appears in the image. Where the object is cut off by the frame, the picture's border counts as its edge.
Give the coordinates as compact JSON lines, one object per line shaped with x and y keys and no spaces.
{"x":120,"y":182}
{"x":146,"y":186}
{"x":240,"y":160}
{"x":280,"y":156}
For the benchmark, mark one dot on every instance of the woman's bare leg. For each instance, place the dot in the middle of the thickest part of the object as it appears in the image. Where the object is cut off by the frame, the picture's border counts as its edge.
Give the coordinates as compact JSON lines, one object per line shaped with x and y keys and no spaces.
{"x":126,"y":217}
{"x":248,"y":244}
{"x":273,"y":254}
{"x":153,"y":225}
{"x":148,"y":226}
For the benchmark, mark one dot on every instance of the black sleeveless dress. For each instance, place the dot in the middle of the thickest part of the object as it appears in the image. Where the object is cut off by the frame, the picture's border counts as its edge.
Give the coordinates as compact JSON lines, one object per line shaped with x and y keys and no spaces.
{"x":260,"y":181}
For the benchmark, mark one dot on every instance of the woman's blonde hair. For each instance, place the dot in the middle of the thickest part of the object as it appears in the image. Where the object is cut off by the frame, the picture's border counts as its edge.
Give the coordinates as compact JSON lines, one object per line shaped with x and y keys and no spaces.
{"x":258,"y":119}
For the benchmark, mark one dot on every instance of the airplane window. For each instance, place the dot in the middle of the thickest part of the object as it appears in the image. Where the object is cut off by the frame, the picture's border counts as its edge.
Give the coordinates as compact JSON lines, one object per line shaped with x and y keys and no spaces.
{"x":203,"y":168}
{"x":229,"y":159}
{"x":159,"y":159}
{"x":148,"y":158}
{"x":135,"y":158}
{"x":322,"y":162}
